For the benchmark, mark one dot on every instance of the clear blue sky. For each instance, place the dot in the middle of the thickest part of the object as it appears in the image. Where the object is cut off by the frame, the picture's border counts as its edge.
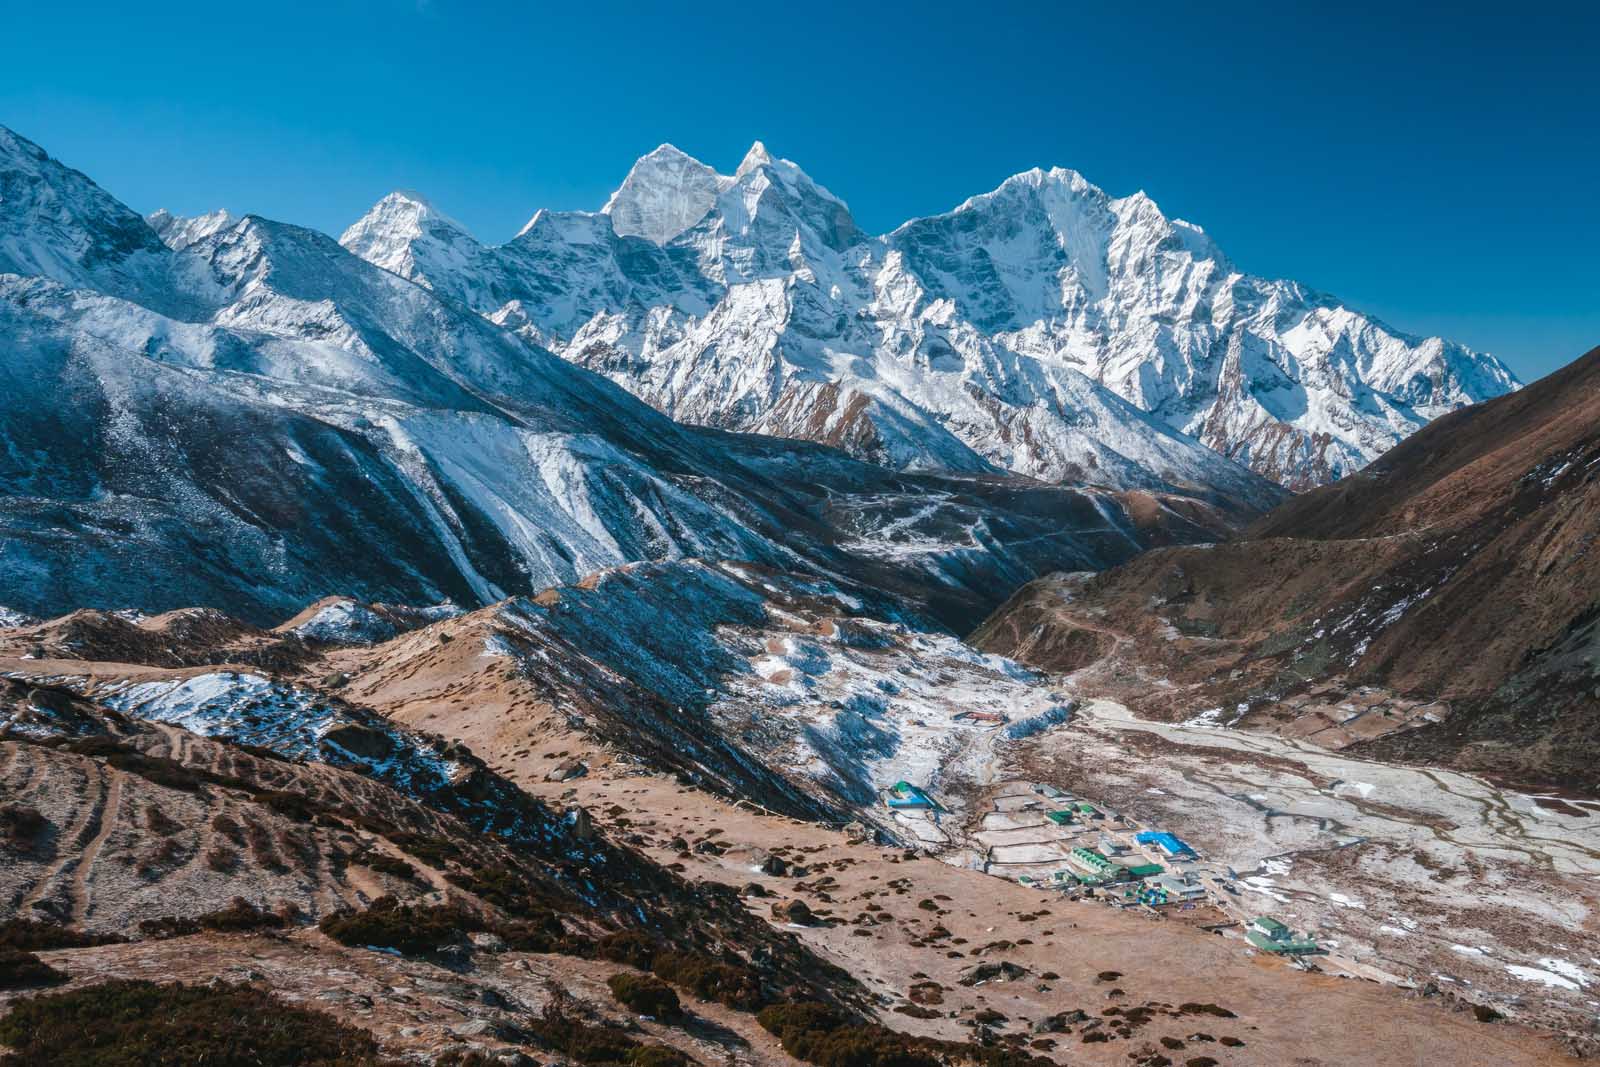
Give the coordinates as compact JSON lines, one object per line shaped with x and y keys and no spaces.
{"x":1437,"y":169}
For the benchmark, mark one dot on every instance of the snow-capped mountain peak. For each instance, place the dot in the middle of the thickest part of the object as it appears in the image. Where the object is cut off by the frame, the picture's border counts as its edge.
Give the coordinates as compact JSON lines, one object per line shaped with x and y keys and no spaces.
{"x":55,"y":223}
{"x":758,"y":156}
{"x":406,"y":234}
{"x":179,"y":232}
{"x":753,"y":301}
{"x":665,"y":193}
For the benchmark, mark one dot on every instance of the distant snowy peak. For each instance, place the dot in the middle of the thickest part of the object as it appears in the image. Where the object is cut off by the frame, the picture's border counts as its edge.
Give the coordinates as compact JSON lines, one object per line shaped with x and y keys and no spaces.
{"x":753,"y":301}
{"x":182,"y":232}
{"x":407,"y":235}
{"x":664,"y":194}
{"x":55,"y":223}
{"x":667,"y":193}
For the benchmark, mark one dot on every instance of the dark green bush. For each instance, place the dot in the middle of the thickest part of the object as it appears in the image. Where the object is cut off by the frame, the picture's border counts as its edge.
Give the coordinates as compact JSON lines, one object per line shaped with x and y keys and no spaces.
{"x":160,"y":822}
{"x":434,"y":851}
{"x":1192,"y":1008}
{"x":645,"y":995}
{"x":709,"y":979}
{"x":24,"y":970}
{"x":21,"y":827}
{"x":237,"y":916}
{"x":240,"y":915}
{"x":601,"y":1045}
{"x":823,"y":1036}
{"x":296,"y":806}
{"x":917,"y":1011}
{"x":527,"y":936}
{"x":411,"y":931}
{"x":818,"y":1034}
{"x":32,"y":936}
{"x":385,"y":864}
{"x":706,"y":977}
{"x":225,"y":825}
{"x":658,"y":1056}
{"x":142,"y":1024}
{"x":513,"y":892}
{"x":630,"y":947}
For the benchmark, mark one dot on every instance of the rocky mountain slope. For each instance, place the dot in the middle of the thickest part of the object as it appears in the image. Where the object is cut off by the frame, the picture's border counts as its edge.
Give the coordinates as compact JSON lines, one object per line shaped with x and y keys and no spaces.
{"x":1457,"y":573}
{"x":1045,"y":328}
{"x":465,"y":835}
{"x":238,"y":412}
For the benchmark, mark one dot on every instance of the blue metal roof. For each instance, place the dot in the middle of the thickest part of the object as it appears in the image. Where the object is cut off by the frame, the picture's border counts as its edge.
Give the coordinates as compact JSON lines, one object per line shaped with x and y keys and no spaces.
{"x":1169,"y":843}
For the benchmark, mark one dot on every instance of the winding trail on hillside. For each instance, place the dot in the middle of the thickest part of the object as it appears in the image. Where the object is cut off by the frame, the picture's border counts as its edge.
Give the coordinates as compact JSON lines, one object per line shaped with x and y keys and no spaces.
{"x":106,"y":811}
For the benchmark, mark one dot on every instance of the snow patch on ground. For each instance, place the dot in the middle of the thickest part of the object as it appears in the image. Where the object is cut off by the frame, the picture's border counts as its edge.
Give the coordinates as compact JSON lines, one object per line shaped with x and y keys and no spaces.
{"x":1543,"y":977}
{"x":346,"y":622}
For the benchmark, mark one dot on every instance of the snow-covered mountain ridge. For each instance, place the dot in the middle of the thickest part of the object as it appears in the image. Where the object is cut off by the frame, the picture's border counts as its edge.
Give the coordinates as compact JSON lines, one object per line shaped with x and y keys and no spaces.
{"x":1045,"y":328}
{"x":237,"y":412}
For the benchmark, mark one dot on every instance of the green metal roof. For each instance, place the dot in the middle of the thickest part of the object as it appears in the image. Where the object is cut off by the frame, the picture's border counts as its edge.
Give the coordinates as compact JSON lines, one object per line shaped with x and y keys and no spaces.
{"x":1146,"y":870}
{"x":1293,"y":946}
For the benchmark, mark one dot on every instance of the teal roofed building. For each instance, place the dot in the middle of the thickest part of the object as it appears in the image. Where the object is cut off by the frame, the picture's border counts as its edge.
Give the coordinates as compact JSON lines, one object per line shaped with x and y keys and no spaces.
{"x":1270,"y":935}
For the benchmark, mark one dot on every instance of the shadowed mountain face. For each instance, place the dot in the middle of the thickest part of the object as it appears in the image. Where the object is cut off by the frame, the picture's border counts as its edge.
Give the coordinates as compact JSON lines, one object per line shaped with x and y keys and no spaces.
{"x":241,"y":413}
{"x":1044,"y":328}
{"x":1459,"y":568}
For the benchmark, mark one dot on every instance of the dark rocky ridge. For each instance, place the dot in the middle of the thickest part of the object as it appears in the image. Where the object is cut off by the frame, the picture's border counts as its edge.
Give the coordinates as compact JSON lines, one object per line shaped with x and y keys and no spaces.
{"x":1459,"y":568}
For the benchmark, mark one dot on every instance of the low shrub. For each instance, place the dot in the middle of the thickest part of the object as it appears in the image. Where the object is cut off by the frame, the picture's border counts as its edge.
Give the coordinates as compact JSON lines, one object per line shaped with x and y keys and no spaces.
{"x":262,"y":850}
{"x":729,"y":985}
{"x":658,"y":1056}
{"x":630,"y":947}
{"x":434,"y":851}
{"x":645,"y":995}
{"x":241,"y":914}
{"x":601,"y":1045}
{"x":410,"y":930}
{"x":386,"y":864}
{"x":237,"y":916}
{"x":24,"y":970}
{"x":142,"y":1024}
{"x":167,"y":854}
{"x":225,"y":825}
{"x":513,"y":892}
{"x":160,"y":822}
{"x":296,"y":806}
{"x":1192,"y":1008}
{"x":222,"y":859}
{"x":823,"y":1036}
{"x":817,"y":1034}
{"x":917,"y":1011}
{"x":525,"y":935}
{"x":32,"y":936}
{"x":708,"y":978}
{"x":21,"y":827}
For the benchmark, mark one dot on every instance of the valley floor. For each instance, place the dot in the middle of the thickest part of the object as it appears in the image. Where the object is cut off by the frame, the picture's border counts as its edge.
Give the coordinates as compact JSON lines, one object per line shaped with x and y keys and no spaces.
{"x":905,"y":924}
{"x":1443,"y":890}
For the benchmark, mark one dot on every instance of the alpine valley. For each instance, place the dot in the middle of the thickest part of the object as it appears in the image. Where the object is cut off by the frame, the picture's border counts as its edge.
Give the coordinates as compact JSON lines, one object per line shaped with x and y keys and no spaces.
{"x":701,"y":632}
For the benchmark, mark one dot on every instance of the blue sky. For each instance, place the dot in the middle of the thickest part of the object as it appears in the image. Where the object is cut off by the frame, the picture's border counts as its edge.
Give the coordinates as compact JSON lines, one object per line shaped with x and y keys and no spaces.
{"x":1437,"y":169}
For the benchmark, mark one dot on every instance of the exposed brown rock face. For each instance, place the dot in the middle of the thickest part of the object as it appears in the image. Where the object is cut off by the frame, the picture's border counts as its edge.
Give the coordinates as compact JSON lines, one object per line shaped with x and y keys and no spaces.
{"x":1459,"y":568}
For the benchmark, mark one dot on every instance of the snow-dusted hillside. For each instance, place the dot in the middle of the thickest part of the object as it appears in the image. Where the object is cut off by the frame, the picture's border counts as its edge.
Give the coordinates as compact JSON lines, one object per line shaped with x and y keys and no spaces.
{"x":1044,"y":328}
{"x":240,"y":413}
